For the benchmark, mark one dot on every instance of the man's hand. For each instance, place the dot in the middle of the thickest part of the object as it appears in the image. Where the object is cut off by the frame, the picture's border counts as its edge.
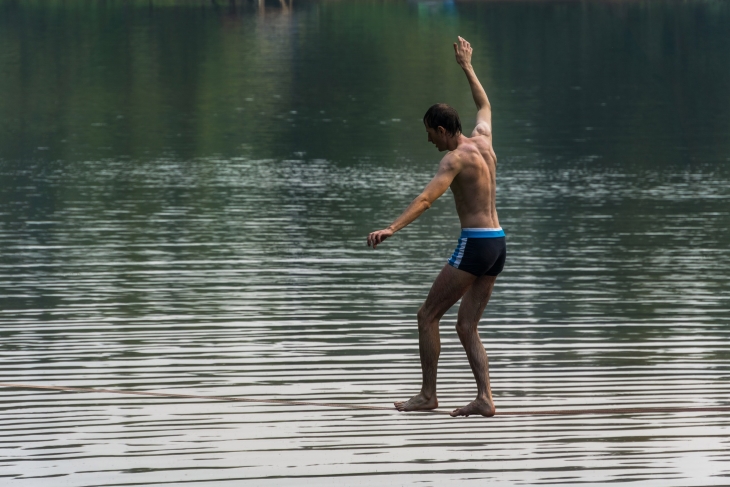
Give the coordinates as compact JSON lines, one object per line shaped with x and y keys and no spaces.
{"x":375,"y":238}
{"x":463,"y":52}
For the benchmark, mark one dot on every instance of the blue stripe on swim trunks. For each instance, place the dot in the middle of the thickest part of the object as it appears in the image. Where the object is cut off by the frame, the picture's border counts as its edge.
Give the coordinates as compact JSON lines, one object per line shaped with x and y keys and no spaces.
{"x":467,"y":233}
{"x":482,"y":232}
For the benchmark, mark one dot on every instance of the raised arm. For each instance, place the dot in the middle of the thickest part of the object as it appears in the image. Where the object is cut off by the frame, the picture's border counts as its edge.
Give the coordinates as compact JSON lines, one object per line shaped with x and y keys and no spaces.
{"x":463,"y":52}
{"x":448,"y":169}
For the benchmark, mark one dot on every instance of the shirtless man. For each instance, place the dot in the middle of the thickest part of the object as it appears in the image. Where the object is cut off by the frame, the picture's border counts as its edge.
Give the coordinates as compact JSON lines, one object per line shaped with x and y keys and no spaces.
{"x":469,"y":169}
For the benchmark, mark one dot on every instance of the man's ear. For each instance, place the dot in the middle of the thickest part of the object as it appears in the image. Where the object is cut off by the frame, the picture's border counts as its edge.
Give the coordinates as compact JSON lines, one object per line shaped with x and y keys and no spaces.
{"x":441,"y":130}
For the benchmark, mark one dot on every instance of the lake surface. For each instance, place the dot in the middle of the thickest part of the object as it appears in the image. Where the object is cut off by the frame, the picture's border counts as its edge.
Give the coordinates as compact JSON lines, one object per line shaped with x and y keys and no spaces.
{"x":185,"y":193}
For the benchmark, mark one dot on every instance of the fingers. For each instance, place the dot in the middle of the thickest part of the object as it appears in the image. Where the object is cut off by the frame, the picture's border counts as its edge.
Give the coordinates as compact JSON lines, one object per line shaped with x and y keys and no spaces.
{"x":376,"y":241}
{"x":373,"y":239}
{"x":463,"y":50}
{"x":463,"y":45}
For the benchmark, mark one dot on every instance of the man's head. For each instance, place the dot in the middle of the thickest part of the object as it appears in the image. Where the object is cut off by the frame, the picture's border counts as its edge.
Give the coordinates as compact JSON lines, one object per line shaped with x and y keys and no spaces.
{"x":442,"y":123}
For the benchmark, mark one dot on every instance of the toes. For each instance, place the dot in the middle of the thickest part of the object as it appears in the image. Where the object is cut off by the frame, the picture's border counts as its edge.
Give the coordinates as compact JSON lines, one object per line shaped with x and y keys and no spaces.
{"x":461,"y":412}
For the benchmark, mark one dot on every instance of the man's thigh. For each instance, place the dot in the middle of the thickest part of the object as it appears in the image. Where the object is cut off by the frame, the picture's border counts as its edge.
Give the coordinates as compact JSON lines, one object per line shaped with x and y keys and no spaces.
{"x":449,"y":286}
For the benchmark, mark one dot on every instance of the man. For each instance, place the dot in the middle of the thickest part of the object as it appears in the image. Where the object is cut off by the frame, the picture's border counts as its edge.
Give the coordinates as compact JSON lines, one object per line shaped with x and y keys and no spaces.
{"x":469,"y":169}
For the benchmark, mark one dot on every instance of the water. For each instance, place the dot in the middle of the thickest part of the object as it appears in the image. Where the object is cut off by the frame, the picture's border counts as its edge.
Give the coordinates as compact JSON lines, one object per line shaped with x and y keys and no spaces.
{"x":185,"y":192}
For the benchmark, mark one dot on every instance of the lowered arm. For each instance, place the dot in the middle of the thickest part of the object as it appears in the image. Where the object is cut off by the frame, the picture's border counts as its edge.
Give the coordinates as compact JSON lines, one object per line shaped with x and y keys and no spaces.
{"x":448,"y":169}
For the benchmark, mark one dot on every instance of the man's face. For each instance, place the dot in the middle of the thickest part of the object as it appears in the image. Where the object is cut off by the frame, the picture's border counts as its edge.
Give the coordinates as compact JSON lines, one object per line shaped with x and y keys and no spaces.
{"x":437,"y":137}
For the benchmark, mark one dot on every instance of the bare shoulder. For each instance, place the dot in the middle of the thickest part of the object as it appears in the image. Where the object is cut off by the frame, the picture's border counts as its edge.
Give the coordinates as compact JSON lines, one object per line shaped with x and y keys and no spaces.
{"x":453,"y":161}
{"x":467,"y":154}
{"x":475,"y":155}
{"x":474,"y":148}
{"x":483,"y":129}
{"x":481,"y":142}
{"x":483,"y":145}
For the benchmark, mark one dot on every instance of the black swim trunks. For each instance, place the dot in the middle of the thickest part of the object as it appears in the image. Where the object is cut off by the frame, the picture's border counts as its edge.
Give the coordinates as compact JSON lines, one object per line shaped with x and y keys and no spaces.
{"x":480,"y":251}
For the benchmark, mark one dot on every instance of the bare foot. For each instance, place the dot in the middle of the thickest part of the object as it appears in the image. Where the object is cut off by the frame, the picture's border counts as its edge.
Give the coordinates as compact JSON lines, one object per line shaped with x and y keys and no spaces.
{"x":477,"y":406}
{"x":417,"y":403}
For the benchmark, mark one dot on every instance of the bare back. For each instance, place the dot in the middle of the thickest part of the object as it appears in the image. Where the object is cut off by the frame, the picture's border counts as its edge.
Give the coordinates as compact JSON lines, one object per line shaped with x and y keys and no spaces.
{"x":475,"y":186}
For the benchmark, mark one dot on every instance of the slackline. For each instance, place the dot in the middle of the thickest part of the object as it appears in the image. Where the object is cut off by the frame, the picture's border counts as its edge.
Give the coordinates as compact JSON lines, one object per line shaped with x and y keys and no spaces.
{"x":287,"y":402}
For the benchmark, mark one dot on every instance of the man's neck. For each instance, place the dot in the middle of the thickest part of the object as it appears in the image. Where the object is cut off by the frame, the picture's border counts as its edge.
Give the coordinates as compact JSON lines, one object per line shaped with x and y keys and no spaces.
{"x":453,"y":142}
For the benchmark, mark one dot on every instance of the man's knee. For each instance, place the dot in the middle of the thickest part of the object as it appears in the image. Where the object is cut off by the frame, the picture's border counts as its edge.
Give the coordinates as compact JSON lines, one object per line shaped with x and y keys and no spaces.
{"x":426,"y":319}
{"x":465,"y":328}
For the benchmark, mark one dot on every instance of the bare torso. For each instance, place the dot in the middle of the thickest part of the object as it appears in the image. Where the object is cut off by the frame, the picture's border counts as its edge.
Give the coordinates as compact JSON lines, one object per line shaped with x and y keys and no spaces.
{"x":475,"y":186}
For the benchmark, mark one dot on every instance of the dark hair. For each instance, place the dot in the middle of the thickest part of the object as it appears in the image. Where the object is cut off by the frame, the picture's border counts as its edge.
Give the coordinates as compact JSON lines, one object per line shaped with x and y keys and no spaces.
{"x":442,"y":115}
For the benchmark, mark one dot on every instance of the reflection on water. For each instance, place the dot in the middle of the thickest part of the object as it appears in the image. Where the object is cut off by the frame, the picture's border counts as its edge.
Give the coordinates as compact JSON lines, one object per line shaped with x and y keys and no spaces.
{"x":184,"y":200}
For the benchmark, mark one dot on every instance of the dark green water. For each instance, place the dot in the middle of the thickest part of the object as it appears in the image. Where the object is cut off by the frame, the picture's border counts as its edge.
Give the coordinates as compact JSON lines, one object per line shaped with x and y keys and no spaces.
{"x":185,"y":192}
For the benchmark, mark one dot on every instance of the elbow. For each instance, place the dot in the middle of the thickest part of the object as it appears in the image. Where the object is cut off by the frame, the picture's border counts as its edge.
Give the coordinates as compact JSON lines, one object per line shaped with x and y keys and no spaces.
{"x":424,"y":202}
